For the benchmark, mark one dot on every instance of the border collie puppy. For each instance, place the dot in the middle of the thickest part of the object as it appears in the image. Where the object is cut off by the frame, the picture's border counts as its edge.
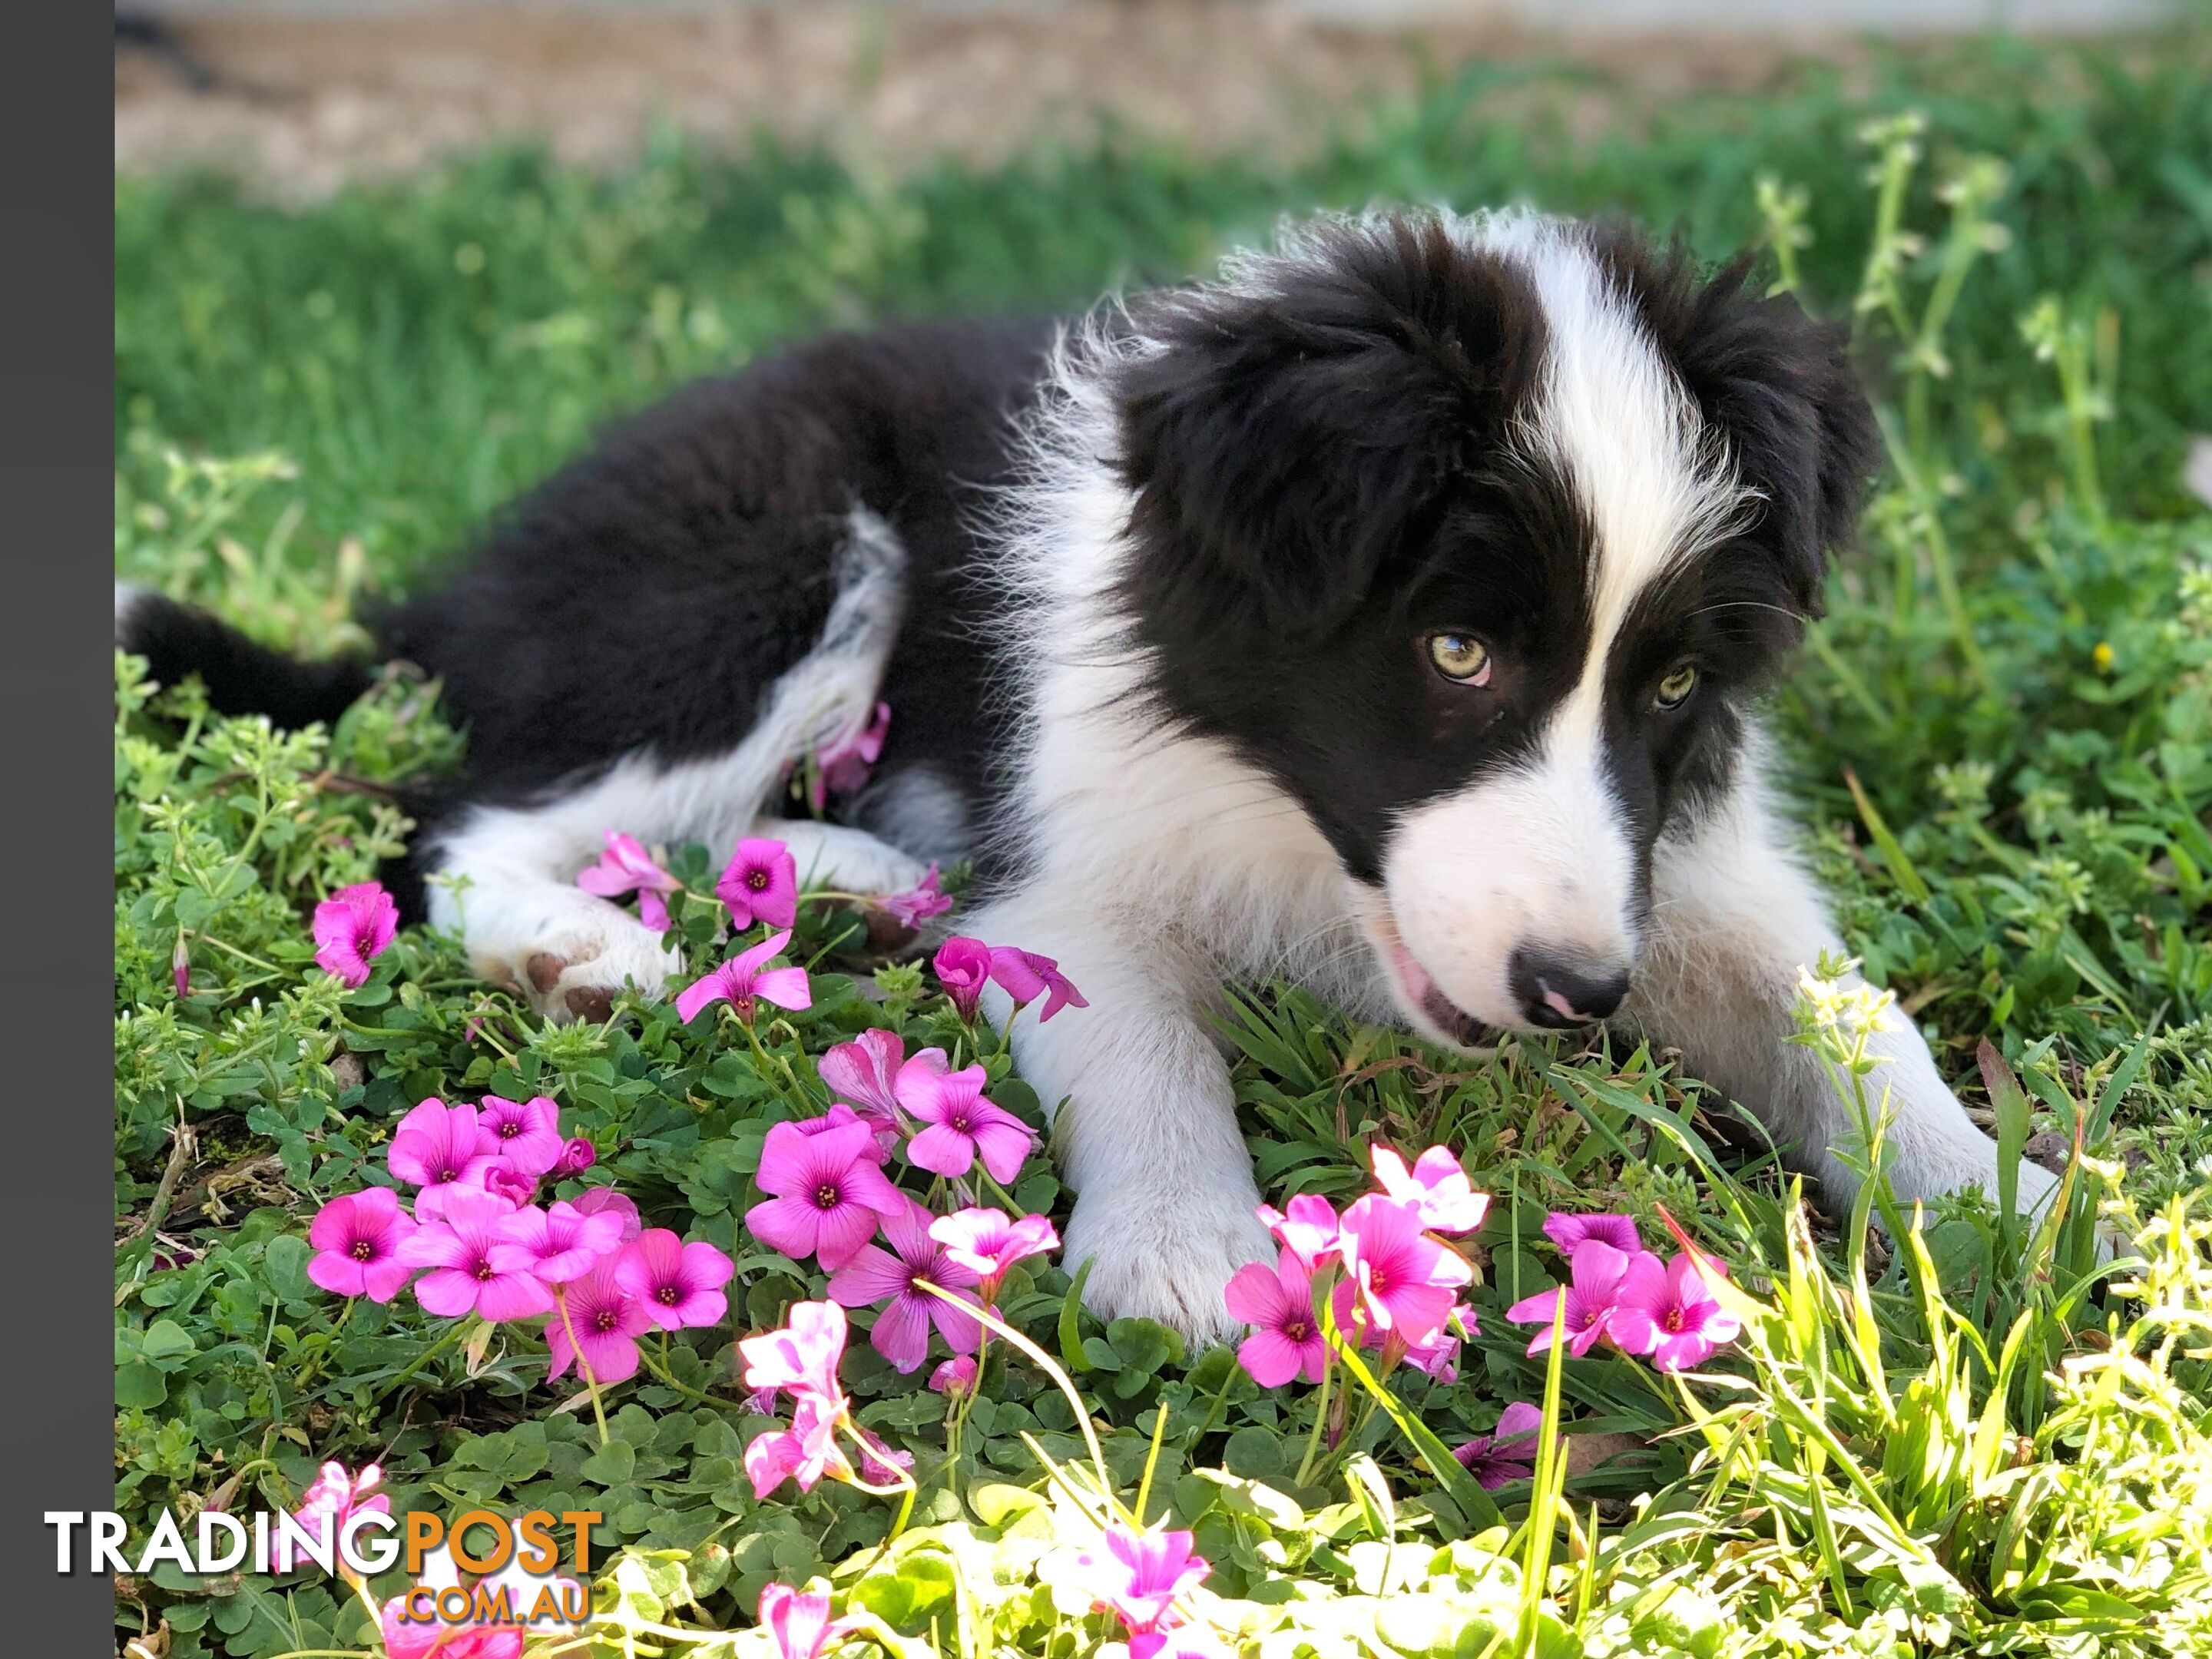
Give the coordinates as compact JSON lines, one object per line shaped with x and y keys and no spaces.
{"x":1387,"y":613}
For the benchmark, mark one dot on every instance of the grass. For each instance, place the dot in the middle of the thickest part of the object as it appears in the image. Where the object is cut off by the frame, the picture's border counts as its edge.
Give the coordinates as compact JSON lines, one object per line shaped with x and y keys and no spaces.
{"x":1942,"y":1437}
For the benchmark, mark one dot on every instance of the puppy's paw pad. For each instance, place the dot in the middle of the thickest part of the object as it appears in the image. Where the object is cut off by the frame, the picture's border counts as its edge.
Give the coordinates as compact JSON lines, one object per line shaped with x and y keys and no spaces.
{"x":545,"y":969}
{"x":593,"y":1004}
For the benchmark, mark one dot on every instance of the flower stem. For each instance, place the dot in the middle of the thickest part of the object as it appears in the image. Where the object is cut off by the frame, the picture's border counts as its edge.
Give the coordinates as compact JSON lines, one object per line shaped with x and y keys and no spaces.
{"x":452,"y":1334}
{"x":1320,"y":1417}
{"x":590,"y":1382}
{"x":660,"y":1369}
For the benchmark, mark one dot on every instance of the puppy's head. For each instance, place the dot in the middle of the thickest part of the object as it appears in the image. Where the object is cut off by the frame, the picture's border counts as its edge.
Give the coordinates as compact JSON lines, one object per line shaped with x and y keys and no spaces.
{"x":1475,"y":535}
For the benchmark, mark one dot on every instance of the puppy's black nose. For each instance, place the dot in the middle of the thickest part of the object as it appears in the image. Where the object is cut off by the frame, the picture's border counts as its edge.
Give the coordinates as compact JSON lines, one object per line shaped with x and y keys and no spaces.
{"x":1560,"y":992}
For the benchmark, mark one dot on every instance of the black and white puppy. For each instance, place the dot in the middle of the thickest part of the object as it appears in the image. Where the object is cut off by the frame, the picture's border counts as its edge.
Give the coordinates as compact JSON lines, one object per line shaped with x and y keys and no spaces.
{"x":1388,"y":614}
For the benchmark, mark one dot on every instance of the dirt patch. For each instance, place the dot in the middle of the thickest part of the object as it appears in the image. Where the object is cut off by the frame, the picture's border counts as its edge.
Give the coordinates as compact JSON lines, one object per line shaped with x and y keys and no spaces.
{"x":301,"y":105}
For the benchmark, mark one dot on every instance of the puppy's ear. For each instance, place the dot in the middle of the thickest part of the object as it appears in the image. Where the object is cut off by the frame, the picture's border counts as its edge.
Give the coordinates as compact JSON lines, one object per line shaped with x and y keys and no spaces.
{"x":1286,"y":435}
{"x":1777,"y":383}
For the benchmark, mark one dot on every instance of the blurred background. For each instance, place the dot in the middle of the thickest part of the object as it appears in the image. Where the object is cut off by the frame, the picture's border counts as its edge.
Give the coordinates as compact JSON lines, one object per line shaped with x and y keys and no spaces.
{"x":302,"y":95}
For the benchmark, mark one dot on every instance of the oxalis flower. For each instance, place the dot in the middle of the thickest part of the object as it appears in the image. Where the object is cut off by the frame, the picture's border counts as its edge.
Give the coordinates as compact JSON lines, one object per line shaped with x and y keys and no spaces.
{"x":1308,"y":1227}
{"x":802,"y":1357}
{"x":438,"y":1147}
{"x":458,"y":1248}
{"x":1436,"y":1186}
{"x":608,"y":1322}
{"x":1570,"y":1233}
{"x":959,"y":1124}
{"x":1670,"y":1313}
{"x":626,"y":867}
{"x":1508,"y":1453}
{"x":760,"y":883}
{"x":577,"y":1155}
{"x":744,"y":980}
{"x":896,"y":1277}
{"x":678,"y":1285}
{"x":528,"y":1132}
{"x":557,"y":1246}
{"x":988,"y":1244}
{"x":842,"y":1116}
{"x":1406,"y":1281}
{"x":956,"y":1377}
{"x":336,"y":1497}
{"x":1597,"y":1270}
{"x":863,"y":1073}
{"x":1437,"y":1354}
{"x":925,"y":899}
{"x":1025,"y":976}
{"x":1277,"y":1303}
{"x":1137,"y":1575}
{"x":358,"y":1238}
{"x":841,"y":766}
{"x":797,"y":1621}
{"x":805,"y":1452}
{"x":827,"y":1196}
{"x":419,"y":1634}
{"x":351,"y":929}
{"x":605,"y":1200}
{"x":962,"y":967}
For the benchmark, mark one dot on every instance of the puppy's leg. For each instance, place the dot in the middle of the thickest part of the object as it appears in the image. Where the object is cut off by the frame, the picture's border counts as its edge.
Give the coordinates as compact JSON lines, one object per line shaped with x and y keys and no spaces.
{"x":1734,"y":921}
{"x":1143,"y":1119}
{"x":838,"y":856}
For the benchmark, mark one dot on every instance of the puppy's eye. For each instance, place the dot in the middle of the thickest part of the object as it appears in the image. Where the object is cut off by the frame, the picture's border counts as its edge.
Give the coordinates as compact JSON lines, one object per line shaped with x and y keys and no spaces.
{"x":1675,"y":690}
{"x":1460,"y":658}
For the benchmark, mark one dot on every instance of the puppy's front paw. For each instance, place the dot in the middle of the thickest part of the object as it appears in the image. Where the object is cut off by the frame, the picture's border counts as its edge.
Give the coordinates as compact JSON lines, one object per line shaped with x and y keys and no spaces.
{"x":574,"y":975}
{"x":1165,"y":1262}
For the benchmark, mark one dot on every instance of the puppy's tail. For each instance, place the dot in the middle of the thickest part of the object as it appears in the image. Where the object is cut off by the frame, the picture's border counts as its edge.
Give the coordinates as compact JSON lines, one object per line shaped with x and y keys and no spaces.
{"x":241,"y":677}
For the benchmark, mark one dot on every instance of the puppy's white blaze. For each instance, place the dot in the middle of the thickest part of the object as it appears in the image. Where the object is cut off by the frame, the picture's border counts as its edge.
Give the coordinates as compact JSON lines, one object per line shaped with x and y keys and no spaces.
{"x":1612,"y":415}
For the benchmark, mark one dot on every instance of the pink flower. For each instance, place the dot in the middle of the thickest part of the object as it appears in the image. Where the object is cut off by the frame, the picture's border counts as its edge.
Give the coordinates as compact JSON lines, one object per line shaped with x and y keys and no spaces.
{"x":1671,"y":1315}
{"x":503,"y":1182}
{"x":608,"y":1322}
{"x":1138,"y":1575}
{"x":741,"y":981}
{"x":962,"y":1125}
{"x":797,"y":1621}
{"x":760,"y":883}
{"x":351,"y":929}
{"x":1406,"y":1282}
{"x":417,"y":1632}
{"x":987,"y":1244}
{"x":678,"y":1284}
{"x":896,"y":1277}
{"x":1437,"y":1186}
{"x":864,"y":1074}
{"x":577,"y":1155}
{"x":841,"y":766}
{"x":358,"y":1238}
{"x":1277,"y":1301}
{"x":1307,"y":1228}
{"x":624,"y":867}
{"x":559,"y":1245}
{"x":1025,"y":976}
{"x":1597,"y":1270}
{"x":437,"y":1146}
{"x":1569,"y":1232}
{"x":842,"y":1116}
{"x":605,"y":1200}
{"x":805,"y":1452}
{"x":827,"y":1196}
{"x":463,"y":1278}
{"x":802,"y":1357}
{"x":925,"y":899}
{"x":325,"y":1508}
{"x":1507,"y":1453}
{"x":1438,"y":1354}
{"x":956,"y":1376}
{"x":963,"y":966}
{"x":528,"y":1131}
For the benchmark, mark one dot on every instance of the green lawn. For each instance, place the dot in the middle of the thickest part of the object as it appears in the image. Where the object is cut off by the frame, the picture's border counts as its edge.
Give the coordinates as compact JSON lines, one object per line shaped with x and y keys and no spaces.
{"x":2002,"y":738}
